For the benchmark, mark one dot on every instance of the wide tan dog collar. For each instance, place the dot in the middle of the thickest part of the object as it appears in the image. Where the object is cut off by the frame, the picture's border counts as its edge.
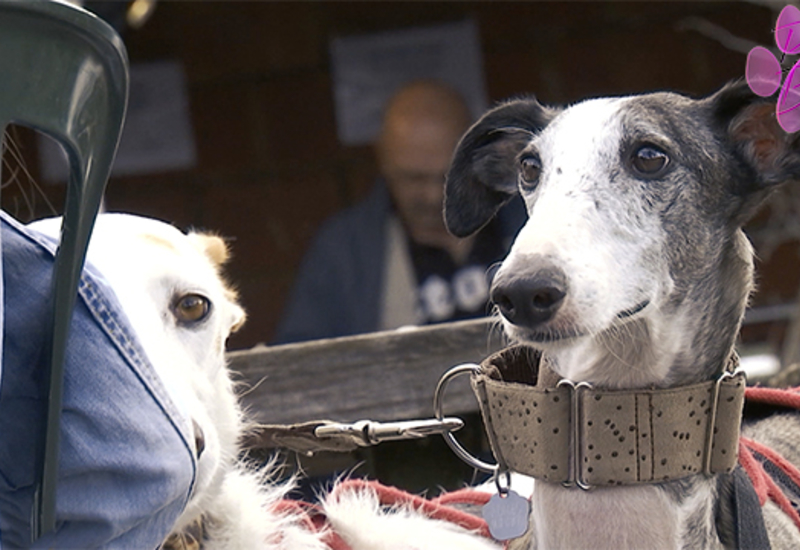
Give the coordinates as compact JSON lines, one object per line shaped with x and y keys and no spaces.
{"x":574,"y":434}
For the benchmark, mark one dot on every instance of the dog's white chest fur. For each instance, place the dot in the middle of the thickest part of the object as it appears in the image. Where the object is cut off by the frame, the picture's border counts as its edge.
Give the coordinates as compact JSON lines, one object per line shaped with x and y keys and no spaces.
{"x":604,"y":519}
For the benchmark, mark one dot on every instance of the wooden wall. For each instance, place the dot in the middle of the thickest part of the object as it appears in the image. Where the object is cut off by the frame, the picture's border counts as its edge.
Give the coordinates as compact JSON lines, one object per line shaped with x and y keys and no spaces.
{"x":270,"y":169}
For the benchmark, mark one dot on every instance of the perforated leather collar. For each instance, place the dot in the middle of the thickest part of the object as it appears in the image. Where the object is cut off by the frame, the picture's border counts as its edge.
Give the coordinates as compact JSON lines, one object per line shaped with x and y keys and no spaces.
{"x":575,"y":434}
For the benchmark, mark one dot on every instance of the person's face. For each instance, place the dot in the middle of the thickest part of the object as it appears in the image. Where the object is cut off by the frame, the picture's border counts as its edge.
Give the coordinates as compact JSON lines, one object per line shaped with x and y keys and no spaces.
{"x":414,"y":160}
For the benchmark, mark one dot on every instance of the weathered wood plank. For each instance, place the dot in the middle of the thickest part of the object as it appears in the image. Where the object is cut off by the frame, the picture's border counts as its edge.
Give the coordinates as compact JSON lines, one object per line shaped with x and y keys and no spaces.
{"x":381,"y":376}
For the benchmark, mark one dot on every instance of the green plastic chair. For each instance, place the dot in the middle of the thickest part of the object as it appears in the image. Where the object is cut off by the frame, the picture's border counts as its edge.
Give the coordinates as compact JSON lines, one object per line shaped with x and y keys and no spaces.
{"x":64,"y":72}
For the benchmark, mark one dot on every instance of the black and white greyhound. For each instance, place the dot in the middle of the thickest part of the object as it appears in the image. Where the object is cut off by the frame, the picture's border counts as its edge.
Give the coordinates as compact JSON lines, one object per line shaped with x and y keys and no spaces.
{"x":631,"y":272}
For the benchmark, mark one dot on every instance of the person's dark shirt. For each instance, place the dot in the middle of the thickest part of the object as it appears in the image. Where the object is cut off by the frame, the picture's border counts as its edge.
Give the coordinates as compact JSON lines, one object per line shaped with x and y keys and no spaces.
{"x":447,"y":291}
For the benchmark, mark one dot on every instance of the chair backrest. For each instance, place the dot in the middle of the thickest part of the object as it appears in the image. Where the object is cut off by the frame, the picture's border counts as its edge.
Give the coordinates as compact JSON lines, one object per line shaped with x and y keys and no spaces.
{"x":64,"y":72}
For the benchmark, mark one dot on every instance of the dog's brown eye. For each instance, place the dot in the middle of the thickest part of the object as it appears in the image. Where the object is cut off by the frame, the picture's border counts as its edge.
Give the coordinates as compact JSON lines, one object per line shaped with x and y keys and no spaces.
{"x":530,"y":168}
{"x":191,"y":308}
{"x":649,"y":160}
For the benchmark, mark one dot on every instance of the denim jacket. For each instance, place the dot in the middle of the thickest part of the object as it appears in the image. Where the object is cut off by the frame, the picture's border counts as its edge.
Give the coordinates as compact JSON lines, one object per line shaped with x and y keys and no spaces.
{"x":126,"y":468}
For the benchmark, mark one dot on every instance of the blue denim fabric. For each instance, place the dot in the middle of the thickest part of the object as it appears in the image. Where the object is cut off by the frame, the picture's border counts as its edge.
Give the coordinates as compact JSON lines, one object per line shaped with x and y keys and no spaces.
{"x":126,"y":467}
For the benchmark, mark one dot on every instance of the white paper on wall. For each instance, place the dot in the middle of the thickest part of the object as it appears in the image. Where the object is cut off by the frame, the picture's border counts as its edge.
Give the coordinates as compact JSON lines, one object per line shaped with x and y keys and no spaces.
{"x":368,"y":69}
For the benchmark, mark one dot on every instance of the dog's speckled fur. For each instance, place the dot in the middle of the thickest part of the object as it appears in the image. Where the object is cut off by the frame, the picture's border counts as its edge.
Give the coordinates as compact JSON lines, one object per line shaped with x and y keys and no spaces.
{"x":638,"y":273}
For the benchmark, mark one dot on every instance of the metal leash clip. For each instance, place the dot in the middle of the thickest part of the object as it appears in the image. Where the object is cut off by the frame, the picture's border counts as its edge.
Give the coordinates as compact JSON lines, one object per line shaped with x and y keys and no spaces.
{"x":366,"y":433}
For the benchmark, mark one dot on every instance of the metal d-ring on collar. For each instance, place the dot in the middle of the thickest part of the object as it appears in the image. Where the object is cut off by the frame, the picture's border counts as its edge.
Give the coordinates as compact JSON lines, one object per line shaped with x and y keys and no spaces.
{"x":450,"y":439}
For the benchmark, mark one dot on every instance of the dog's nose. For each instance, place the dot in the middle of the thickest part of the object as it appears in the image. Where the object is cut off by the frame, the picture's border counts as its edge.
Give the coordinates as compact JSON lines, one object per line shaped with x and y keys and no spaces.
{"x":532,"y":299}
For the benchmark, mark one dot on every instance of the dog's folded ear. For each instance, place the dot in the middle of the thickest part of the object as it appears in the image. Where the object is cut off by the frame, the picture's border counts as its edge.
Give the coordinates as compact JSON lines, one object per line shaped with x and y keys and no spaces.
{"x":213,"y":246}
{"x":483,"y":174}
{"x":771,"y":153}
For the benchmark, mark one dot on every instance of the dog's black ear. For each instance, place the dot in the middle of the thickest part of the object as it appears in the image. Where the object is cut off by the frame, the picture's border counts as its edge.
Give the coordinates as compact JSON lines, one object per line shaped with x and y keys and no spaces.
{"x":750,"y":122}
{"x":483,"y":174}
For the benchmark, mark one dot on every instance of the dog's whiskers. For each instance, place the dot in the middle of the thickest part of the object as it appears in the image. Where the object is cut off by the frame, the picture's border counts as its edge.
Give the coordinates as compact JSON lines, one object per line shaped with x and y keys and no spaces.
{"x":620,"y":340}
{"x":496,"y":328}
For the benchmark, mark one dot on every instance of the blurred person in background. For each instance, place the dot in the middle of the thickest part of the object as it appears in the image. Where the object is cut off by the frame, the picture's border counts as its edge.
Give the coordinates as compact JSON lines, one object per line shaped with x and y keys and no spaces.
{"x":389,"y":261}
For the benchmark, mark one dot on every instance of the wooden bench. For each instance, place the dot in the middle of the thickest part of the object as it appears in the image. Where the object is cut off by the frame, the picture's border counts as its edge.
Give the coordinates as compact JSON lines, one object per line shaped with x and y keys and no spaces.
{"x":379,"y":376}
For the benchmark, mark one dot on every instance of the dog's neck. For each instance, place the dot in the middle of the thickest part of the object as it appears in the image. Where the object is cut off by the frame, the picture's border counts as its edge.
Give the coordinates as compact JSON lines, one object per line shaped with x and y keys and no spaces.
{"x":676,"y":514}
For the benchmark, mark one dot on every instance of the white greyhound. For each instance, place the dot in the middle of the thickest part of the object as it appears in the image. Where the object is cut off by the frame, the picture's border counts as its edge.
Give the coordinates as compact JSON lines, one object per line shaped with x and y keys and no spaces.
{"x":170,"y":286}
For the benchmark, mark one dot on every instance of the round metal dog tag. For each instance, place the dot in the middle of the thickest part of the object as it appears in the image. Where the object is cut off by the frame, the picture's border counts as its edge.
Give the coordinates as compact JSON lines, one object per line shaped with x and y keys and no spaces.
{"x":507,"y":515}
